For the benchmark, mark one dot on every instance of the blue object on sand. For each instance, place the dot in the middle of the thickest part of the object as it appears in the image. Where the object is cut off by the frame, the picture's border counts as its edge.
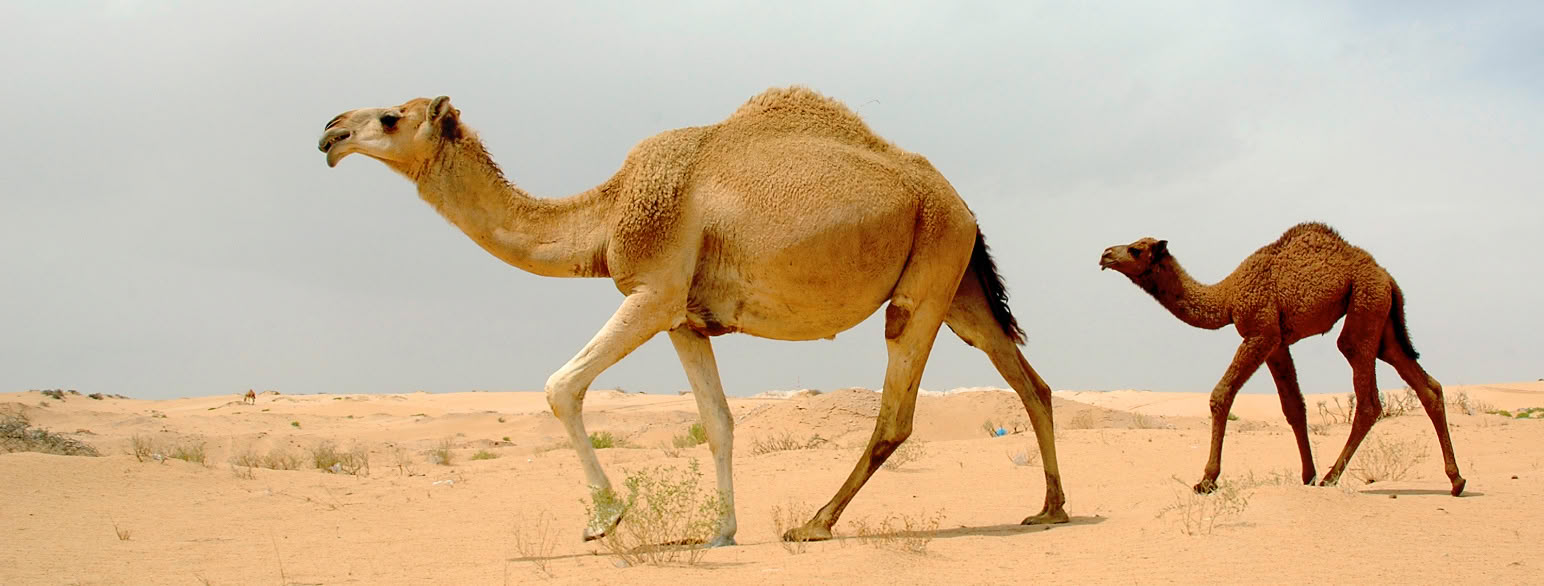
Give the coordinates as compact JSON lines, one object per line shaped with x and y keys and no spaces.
{"x":1001,"y":432}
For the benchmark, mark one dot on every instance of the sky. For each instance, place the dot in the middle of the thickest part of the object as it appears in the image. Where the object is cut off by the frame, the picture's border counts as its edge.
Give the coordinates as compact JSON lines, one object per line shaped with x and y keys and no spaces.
{"x":168,"y":228}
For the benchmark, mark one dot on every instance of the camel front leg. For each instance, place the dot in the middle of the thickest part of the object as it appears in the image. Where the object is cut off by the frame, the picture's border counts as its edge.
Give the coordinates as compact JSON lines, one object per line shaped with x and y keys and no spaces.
{"x":1245,"y":362}
{"x":696,"y":353}
{"x":640,"y":317}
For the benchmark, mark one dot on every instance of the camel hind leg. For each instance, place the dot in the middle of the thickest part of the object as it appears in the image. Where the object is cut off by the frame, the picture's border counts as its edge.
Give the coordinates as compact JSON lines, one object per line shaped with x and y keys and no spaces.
{"x":1430,"y":393}
{"x":1360,"y":340}
{"x":970,"y":317}
{"x":1292,"y":406}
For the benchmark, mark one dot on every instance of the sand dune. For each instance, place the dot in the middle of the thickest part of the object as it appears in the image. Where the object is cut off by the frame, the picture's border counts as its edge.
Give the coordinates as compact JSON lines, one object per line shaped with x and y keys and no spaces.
{"x":1126,"y":456}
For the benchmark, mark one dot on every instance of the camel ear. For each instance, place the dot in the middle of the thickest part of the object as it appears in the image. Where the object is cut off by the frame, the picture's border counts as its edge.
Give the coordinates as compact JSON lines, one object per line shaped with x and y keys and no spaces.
{"x":447,"y":117}
{"x":1160,"y":249}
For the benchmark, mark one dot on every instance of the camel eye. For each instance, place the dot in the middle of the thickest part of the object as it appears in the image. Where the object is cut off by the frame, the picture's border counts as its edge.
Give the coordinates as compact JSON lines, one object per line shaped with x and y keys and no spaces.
{"x":1133,"y":251}
{"x":389,"y":121}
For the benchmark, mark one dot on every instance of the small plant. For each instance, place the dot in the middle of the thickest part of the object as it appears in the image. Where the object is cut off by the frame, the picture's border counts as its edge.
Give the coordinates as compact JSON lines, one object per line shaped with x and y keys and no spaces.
{"x":97,"y":396}
{"x":281,"y":459}
{"x":535,"y":543}
{"x":441,"y":454}
{"x":1082,"y":420}
{"x":788,"y":517}
{"x":1232,"y":417}
{"x":506,"y":439}
{"x":484,"y":455}
{"x":56,"y":394}
{"x":142,"y":447}
{"x":909,"y":451}
{"x":1024,"y":458}
{"x":501,"y":419}
{"x":1142,"y":421}
{"x":295,"y":424}
{"x":354,"y":462}
{"x":666,"y":517}
{"x":191,"y":452}
{"x":1319,"y":429}
{"x":1387,"y":460}
{"x":784,"y":442}
{"x":1199,"y":514}
{"x":990,"y":427}
{"x":904,"y":533}
{"x":123,"y":533}
{"x":601,"y":440}
{"x":17,"y":435}
{"x":694,"y":436}
{"x":1398,"y":404}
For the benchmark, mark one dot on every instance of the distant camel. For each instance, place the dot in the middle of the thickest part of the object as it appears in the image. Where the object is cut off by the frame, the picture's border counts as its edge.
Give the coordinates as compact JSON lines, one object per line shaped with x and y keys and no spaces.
{"x":250,"y":397}
{"x":1296,"y":287}
{"x":789,"y":220}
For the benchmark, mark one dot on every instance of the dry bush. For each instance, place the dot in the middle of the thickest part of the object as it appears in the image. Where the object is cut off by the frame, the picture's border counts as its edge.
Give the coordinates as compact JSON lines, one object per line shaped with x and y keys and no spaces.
{"x":1319,"y":429}
{"x":1387,"y":460}
{"x":601,"y":440}
{"x":789,"y":516}
{"x":191,"y":451}
{"x":244,"y":463}
{"x":694,"y":436}
{"x":783,"y":442}
{"x":535,"y":542}
{"x":904,"y":533}
{"x":666,"y":517}
{"x":280,"y":458}
{"x":1398,"y":404}
{"x":403,"y":459}
{"x":1199,"y":514}
{"x":123,"y":533}
{"x":909,"y":451}
{"x":16,"y":435}
{"x":144,"y":448}
{"x":1082,"y":420}
{"x":441,"y":454}
{"x":354,"y":462}
{"x":1024,"y":457}
{"x":484,"y":455}
{"x":1142,"y":421}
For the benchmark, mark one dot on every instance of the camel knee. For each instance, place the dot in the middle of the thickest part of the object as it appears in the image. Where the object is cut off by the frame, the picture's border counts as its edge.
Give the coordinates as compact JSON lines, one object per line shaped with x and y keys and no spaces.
{"x":896,"y":318}
{"x":1369,"y":408}
{"x":564,"y":394}
{"x":1220,"y":406}
{"x":891,"y":438}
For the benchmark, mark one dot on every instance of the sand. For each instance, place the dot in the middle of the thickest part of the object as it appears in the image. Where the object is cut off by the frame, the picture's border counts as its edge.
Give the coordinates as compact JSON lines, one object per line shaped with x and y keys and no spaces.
{"x":1127,"y":459}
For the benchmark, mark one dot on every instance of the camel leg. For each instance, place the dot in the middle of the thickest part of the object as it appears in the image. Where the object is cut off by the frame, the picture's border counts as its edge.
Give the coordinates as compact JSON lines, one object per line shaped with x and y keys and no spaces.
{"x":1430,"y":393}
{"x":696,"y":353}
{"x":970,"y":317}
{"x":1245,"y":362}
{"x":1359,"y":342}
{"x":1292,"y":406}
{"x":638,"y":319}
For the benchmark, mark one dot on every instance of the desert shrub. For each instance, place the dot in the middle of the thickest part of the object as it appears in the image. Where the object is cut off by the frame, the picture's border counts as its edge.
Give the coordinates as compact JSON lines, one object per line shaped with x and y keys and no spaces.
{"x":17,"y":435}
{"x":1142,"y":421}
{"x":694,"y":436}
{"x":441,"y":454}
{"x":191,"y":451}
{"x":327,"y":457}
{"x":280,"y":458}
{"x":484,"y":455}
{"x":784,"y":442}
{"x":666,"y":517}
{"x":1387,"y":460}
{"x":1082,"y":420}
{"x":56,"y":394}
{"x":904,"y":533}
{"x":97,"y":396}
{"x":1199,"y":514}
{"x":789,"y":516}
{"x":535,"y":542}
{"x":601,"y":440}
{"x":909,"y":451}
{"x":990,"y":427}
{"x":1024,"y":457}
{"x":1398,"y":404}
{"x":143,"y":448}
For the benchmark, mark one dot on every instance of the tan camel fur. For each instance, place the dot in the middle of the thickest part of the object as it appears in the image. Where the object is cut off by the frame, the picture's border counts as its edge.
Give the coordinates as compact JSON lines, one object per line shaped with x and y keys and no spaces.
{"x":789,"y":220}
{"x":1296,"y":287}
{"x":250,"y":397}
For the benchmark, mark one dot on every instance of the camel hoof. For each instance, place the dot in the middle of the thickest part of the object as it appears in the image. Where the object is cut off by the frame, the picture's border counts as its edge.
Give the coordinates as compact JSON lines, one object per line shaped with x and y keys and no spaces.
{"x":1328,"y":482}
{"x":599,"y":529}
{"x":1205,"y":486}
{"x":1458,"y":486}
{"x":807,"y":533}
{"x":1047,"y":518}
{"x":722,"y":541}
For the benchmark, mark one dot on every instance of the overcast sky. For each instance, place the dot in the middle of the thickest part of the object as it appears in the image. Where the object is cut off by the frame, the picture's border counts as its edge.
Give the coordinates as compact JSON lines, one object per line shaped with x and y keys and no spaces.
{"x":168,"y":228}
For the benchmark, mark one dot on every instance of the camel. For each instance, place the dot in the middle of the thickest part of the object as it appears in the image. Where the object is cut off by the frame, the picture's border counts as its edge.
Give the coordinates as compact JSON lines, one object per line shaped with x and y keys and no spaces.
{"x":1296,"y":287}
{"x":788,"y":220}
{"x":250,"y":397}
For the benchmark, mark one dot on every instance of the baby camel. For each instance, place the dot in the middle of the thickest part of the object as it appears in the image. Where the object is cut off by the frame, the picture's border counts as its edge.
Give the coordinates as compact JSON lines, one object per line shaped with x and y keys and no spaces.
{"x":789,"y":220}
{"x":1296,"y":287}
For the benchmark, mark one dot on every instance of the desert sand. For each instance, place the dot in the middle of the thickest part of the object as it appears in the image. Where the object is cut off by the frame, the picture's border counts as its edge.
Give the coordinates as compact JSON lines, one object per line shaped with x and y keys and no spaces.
{"x":1128,"y":458}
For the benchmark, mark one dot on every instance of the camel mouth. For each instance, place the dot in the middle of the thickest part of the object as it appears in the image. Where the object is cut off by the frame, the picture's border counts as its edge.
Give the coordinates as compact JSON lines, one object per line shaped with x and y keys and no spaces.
{"x":330,"y":144}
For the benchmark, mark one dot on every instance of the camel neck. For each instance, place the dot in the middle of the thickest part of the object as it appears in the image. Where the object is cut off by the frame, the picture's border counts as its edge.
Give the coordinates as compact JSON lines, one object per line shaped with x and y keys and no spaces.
{"x":1197,"y":304}
{"x":561,"y":237}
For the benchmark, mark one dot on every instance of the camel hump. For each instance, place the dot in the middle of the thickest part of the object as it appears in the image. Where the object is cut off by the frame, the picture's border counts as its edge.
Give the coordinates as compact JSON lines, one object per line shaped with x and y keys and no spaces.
{"x":1309,"y":229}
{"x":801,"y":110}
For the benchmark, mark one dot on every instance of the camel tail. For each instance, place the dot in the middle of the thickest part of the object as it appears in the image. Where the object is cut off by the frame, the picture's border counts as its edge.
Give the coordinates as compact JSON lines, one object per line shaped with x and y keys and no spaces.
{"x":1397,"y":316}
{"x":992,"y":286}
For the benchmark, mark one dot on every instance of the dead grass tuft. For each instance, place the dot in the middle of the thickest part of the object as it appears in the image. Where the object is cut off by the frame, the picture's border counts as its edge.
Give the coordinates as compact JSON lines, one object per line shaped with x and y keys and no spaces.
{"x":1387,"y":460}
{"x":784,"y":442}
{"x":903,"y":533}
{"x":789,"y":516}
{"x":909,"y":451}
{"x":1199,"y":514}
{"x":17,"y":435}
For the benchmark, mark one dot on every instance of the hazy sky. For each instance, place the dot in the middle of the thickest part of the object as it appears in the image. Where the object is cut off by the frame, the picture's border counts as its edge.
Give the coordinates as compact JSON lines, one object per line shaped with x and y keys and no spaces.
{"x":169,"y":229}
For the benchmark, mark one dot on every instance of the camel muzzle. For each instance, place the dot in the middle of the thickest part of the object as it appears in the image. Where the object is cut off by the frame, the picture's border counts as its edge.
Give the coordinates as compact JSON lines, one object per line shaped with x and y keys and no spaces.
{"x":333,"y":138}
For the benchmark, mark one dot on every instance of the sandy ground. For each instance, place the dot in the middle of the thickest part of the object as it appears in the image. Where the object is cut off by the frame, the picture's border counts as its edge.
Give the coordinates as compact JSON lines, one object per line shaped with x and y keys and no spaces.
{"x":1127,"y":459}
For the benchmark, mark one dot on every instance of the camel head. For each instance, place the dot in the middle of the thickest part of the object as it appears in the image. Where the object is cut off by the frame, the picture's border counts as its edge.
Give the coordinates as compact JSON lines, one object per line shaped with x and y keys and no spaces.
{"x":400,"y":136}
{"x":1136,"y":258}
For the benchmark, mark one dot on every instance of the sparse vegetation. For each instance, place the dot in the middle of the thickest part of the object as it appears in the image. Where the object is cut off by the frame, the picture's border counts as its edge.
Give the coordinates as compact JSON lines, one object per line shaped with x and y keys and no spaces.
{"x":191,"y":452}
{"x":295,"y":424}
{"x":326,"y":457}
{"x":784,"y":442}
{"x":1024,"y":457}
{"x":904,"y":533}
{"x":601,"y":440}
{"x":56,"y":394}
{"x":1199,"y":514}
{"x":1387,"y":460}
{"x":1083,"y":419}
{"x":97,"y":396}
{"x":694,"y":436}
{"x":17,"y":435}
{"x":1232,"y":417}
{"x":280,"y":458}
{"x":123,"y":533}
{"x":1142,"y":421}
{"x":990,"y":427}
{"x":441,"y":454}
{"x":909,"y":451}
{"x":484,"y":455}
{"x":535,"y":542}
{"x":666,"y":517}
{"x":792,"y":515}
{"x":143,"y":448}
